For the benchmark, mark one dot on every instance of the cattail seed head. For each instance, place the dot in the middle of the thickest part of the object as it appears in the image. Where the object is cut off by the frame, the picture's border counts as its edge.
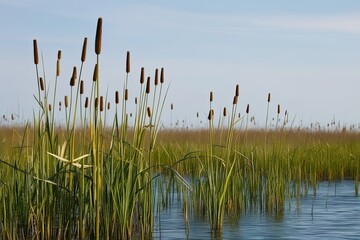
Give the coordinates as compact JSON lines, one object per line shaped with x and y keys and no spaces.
{"x":98,"y":36}
{"x":66,"y":101}
{"x":127,"y":62}
{"x":59,"y":55}
{"x":95,"y":75}
{"x":278,"y":110}
{"x":36,"y":54}
{"x":108,"y":106}
{"x":73,"y":77}
{"x":211,"y":96}
{"x":247,"y":109}
{"x":156,"y":77}
{"x":172,"y":107}
{"x":224,"y":112}
{"x":148,"y":85}
{"x":83,"y":53}
{"x":148,"y":111}
{"x":86,"y":102}
{"x":101,"y":103}
{"x":162,"y":76}
{"x":197,"y":114}
{"x":126,"y":97}
{"x":42,"y":84}
{"x":235,"y":100}
{"x":269,"y":97}
{"x":49,"y":107}
{"x":82,"y":87}
{"x":58,"y":67}
{"x":96,"y":103}
{"x":135,"y":100}
{"x":142,"y":76}
{"x":237,"y":91}
{"x":211,"y":114}
{"x":116,"y":97}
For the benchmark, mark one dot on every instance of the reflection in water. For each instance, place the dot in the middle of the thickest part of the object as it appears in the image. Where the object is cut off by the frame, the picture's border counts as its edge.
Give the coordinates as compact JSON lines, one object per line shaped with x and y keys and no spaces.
{"x":334,"y":213}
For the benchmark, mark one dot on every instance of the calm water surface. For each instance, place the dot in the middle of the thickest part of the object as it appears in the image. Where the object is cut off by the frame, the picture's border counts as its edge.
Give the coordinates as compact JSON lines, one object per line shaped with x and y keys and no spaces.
{"x":334,"y":213}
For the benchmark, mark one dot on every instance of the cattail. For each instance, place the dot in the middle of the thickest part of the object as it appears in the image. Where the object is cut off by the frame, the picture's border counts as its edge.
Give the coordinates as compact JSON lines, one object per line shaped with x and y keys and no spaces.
{"x":278,"y":109}
{"x":162,"y":76}
{"x":42,"y":84}
{"x":135,"y":100}
{"x":211,"y":96}
{"x":156,"y":77}
{"x":59,"y":105}
{"x":235,"y":100}
{"x":148,"y":111}
{"x":172,"y":107}
{"x":95,"y":75}
{"x":127,"y":62}
{"x":224,"y":112}
{"x":59,"y":55}
{"x":269,"y":97}
{"x":82,"y":87}
{"x":126,"y":97}
{"x":211,"y":114}
{"x":58,"y":67}
{"x":237,"y":91}
{"x":73,"y":77}
{"x":130,"y":114}
{"x":108,"y":106}
{"x":239,"y":115}
{"x":197,"y":114}
{"x":98,"y":36}
{"x":101,"y":103}
{"x":83,"y":53}
{"x":96,"y":102}
{"x":36,"y":54}
{"x":247,"y":109}
{"x":148,"y":85}
{"x":116,"y":97}
{"x":142,"y":76}
{"x":66,"y":101}
{"x":49,"y":107}
{"x":86,"y":102}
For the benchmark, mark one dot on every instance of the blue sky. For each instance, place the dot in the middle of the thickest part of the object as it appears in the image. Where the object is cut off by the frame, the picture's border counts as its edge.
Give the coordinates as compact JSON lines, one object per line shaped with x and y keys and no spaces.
{"x":305,"y":53}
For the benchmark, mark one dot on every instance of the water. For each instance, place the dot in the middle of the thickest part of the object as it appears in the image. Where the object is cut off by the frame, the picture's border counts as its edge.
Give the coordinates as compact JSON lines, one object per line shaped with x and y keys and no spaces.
{"x":334,"y":213}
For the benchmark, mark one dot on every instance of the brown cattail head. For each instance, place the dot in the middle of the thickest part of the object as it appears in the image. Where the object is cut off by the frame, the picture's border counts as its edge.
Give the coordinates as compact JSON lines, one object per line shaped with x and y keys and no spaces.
{"x":148,"y":111}
{"x":127,"y":62}
{"x":148,"y":85}
{"x":98,"y":36}
{"x":58,"y":67}
{"x":211,"y":114}
{"x":247,"y":109}
{"x":82,"y":87}
{"x":156,"y":77}
{"x":278,"y":109}
{"x":108,"y":106}
{"x":95,"y":75}
{"x":269,"y":97}
{"x":237,"y":91}
{"x":101,"y":103}
{"x":59,"y":106}
{"x":83,"y":53}
{"x":66,"y":101}
{"x":126,"y":97}
{"x":36,"y":54}
{"x":224,"y":112}
{"x":42,"y":84}
{"x":86,"y":102}
{"x":96,"y":103}
{"x":59,"y":55}
{"x":116,"y":97}
{"x":235,"y":100}
{"x":197,"y":114}
{"x":142,"y":76}
{"x":135,"y":100}
{"x":211,"y":96}
{"x":286,"y":112}
{"x":73,"y":77}
{"x":49,"y":107}
{"x":162,"y":76}
{"x":172,"y":107}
